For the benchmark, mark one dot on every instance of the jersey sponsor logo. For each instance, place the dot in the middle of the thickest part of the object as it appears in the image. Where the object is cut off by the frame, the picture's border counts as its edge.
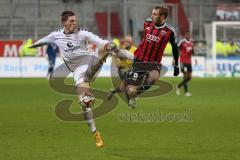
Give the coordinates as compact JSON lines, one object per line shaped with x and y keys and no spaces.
{"x":71,"y":48}
{"x":69,"y":44}
{"x":189,"y":49}
{"x":152,"y":38}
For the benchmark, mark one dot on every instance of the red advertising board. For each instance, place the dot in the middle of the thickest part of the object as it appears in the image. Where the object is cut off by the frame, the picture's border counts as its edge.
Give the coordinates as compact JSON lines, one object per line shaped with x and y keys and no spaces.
{"x":11,"y":48}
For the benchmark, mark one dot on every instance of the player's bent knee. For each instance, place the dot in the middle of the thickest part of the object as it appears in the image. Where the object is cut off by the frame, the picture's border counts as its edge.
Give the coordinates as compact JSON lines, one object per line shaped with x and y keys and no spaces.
{"x":132,"y":90}
{"x":86,"y":100}
{"x":154,"y":75}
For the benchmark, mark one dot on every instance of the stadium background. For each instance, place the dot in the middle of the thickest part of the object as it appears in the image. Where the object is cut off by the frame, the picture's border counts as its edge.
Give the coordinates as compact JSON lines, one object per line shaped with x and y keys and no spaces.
{"x":29,"y":128}
{"x":21,"y":20}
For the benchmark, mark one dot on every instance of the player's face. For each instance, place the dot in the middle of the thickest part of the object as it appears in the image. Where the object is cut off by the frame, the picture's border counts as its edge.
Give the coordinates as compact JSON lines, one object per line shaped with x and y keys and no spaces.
{"x":187,"y":36}
{"x":71,"y":24}
{"x":156,"y":17}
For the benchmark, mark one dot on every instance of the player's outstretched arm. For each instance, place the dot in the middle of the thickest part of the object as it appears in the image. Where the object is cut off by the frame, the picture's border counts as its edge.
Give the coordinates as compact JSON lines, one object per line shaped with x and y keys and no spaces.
{"x":44,"y":41}
{"x":37,"y":45}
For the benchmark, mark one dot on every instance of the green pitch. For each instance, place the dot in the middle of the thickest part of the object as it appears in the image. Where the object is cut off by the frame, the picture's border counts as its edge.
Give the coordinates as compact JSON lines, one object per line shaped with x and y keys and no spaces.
{"x":205,"y":126}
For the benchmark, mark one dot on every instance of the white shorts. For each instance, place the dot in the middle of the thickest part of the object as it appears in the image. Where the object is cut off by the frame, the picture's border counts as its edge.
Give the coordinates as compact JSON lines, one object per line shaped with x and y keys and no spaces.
{"x":86,"y":65}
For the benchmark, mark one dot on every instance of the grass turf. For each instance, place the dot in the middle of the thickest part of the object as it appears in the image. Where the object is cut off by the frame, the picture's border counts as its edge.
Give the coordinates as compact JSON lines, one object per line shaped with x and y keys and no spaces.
{"x":30,"y":130}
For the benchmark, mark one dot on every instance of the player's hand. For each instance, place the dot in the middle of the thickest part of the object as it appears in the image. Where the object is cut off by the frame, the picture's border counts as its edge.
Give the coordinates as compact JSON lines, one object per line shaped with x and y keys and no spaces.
{"x":34,"y":46}
{"x":31,"y":46}
{"x":176,"y":71}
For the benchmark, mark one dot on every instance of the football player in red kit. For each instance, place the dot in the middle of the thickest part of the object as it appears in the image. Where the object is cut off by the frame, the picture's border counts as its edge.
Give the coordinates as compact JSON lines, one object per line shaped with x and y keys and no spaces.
{"x":186,"y":51}
{"x":148,"y":56}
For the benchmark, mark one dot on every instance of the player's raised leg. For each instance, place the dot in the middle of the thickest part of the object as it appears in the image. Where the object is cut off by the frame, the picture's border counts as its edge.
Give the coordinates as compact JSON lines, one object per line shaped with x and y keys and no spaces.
{"x":134,"y":91}
{"x":150,"y":80}
{"x":100,"y":57}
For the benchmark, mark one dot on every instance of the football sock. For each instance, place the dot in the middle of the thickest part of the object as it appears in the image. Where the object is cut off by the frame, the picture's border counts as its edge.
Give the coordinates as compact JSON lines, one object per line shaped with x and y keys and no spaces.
{"x":182,"y":83}
{"x":88,"y":115}
{"x":185,"y":87}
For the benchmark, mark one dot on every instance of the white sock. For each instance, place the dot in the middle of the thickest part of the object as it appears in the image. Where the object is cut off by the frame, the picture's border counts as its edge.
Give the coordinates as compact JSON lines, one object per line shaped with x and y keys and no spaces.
{"x":89,"y":119}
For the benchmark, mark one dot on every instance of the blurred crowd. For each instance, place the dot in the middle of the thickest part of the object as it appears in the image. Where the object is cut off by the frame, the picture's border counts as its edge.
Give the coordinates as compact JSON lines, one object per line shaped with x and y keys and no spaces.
{"x":228,"y":12}
{"x":227,"y":48}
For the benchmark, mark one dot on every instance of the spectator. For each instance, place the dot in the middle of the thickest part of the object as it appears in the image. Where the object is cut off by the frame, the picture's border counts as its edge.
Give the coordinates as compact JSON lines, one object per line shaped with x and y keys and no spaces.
{"x":52,"y":51}
{"x":25,"y":51}
{"x":231,"y":48}
{"x":220,"y":49}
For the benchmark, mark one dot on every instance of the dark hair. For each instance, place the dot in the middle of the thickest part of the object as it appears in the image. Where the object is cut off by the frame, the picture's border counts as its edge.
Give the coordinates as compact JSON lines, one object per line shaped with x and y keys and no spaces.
{"x":162,"y":10}
{"x":65,"y":15}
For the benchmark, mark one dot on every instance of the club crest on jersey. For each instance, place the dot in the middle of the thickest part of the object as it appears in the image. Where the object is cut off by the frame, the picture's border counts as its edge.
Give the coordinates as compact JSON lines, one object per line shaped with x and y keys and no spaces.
{"x":152,"y":38}
{"x":163,"y":33}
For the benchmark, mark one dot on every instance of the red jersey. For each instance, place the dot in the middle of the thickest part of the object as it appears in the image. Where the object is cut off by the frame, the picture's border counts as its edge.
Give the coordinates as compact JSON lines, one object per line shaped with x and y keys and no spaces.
{"x":154,"y":41}
{"x":186,"y":51}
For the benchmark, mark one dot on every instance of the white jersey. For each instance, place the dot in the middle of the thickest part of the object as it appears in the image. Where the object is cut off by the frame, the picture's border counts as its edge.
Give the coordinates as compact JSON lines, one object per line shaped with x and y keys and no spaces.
{"x":73,"y":46}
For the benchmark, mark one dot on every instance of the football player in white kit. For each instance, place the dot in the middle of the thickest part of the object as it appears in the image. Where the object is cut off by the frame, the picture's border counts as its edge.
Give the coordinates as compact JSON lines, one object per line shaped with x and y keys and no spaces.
{"x":72,"y":43}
